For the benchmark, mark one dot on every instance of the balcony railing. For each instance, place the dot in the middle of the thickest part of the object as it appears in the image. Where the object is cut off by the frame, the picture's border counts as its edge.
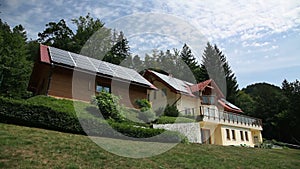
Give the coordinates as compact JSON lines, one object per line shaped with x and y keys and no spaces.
{"x":229,"y":117}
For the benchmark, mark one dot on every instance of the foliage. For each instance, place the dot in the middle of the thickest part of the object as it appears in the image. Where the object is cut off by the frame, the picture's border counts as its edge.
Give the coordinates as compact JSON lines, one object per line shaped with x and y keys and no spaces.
{"x":170,"y":120}
{"x":91,"y":38}
{"x":143,"y":104}
{"x":146,"y":113}
{"x":119,"y":51}
{"x":171,"y":111}
{"x":108,"y":105}
{"x":267,"y":102}
{"x":216,"y":67}
{"x":36,"y":113}
{"x":246,"y":102}
{"x":290,"y":118}
{"x":14,"y":66}
{"x":190,"y":60}
{"x":86,"y":28}
{"x":57,"y":35}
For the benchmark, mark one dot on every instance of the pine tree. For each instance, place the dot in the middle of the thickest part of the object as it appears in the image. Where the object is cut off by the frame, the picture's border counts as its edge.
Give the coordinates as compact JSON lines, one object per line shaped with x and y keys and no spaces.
{"x":231,"y":82}
{"x":14,"y":66}
{"x":193,"y":67}
{"x":213,"y":68}
{"x":119,"y":51}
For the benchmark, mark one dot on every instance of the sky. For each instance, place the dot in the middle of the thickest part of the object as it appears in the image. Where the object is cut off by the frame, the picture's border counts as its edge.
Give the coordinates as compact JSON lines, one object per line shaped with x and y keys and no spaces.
{"x":259,"y":38}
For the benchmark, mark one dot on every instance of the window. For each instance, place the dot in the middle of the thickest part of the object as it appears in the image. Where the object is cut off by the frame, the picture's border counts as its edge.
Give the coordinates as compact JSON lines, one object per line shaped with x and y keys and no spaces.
{"x":164,"y":92}
{"x":208,"y":99}
{"x":193,"y":111}
{"x":187,"y":111}
{"x":242,"y":135}
{"x":233,"y":134}
{"x":227,"y":134}
{"x":154,"y":95}
{"x":246,"y":135}
{"x":100,"y":88}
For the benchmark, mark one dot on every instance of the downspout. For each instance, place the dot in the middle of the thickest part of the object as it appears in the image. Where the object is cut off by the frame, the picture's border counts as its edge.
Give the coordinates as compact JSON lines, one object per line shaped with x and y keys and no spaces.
{"x":49,"y":78}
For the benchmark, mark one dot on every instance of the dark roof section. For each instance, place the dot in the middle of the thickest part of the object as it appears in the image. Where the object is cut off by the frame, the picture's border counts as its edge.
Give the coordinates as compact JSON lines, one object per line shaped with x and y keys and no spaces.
{"x":74,"y":60}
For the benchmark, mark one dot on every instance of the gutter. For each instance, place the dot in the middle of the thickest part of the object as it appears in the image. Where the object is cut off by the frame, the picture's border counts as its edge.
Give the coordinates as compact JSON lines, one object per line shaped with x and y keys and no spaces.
{"x":176,"y":100}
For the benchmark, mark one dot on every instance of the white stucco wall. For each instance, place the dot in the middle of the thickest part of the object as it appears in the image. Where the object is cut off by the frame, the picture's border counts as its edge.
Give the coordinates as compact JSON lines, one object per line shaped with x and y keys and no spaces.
{"x":190,"y":130}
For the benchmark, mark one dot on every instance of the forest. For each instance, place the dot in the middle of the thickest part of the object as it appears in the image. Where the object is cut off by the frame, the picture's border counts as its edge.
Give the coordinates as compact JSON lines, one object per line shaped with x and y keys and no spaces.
{"x":277,"y":106}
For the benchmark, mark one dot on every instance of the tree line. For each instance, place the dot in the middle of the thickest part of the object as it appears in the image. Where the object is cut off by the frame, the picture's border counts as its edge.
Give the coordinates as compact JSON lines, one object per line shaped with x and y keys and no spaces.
{"x":278,"y":107}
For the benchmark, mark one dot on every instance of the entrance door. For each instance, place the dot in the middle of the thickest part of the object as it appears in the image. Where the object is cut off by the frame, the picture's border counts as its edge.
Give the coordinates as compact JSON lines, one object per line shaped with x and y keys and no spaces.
{"x":205,"y":136}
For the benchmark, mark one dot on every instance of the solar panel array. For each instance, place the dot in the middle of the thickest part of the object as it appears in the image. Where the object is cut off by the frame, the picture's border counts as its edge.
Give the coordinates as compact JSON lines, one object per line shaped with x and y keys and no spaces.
{"x":83,"y":62}
{"x":177,"y":84}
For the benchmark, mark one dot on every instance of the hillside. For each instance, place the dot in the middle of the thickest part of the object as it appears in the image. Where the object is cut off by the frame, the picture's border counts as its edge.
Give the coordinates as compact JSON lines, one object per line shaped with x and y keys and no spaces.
{"x":23,"y":147}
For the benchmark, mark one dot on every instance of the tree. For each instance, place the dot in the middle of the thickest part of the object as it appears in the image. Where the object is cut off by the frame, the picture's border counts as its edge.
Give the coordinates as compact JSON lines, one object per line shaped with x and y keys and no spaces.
{"x":189,"y":59}
{"x":216,"y":67}
{"x":57,"y":35}
{"x":14,"y":66}
{"x":290,"y":119}
{"x":231,"y":82}
{"x":269,"y":103}
{"x":213,"y":67}
{"x":246,"y":102}
{"x":119,"y":51}
{"x":86,"y":28}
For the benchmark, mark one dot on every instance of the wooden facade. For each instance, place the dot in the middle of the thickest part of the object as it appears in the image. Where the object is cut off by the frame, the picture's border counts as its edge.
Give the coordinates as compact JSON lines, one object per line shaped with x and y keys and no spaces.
{"x":63,"y":81}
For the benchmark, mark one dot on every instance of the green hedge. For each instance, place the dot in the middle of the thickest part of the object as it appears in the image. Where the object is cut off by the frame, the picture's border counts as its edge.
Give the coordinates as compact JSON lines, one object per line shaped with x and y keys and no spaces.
{"x":170,"y":120}
{"x":31,"y":113}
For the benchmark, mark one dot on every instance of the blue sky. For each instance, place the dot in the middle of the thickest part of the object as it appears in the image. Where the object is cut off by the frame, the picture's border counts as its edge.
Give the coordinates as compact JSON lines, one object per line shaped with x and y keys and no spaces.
{"x":260,"y":38}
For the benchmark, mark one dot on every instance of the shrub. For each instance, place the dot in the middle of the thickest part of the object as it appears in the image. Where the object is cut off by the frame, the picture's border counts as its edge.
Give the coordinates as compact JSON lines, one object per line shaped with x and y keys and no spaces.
{"x":170,"y":120}
{"x":108,"y":105}
{"x":143,"y":104}
{"x":146,"y":113}
{"x":30,"y":113}
{"x":171,"y":111}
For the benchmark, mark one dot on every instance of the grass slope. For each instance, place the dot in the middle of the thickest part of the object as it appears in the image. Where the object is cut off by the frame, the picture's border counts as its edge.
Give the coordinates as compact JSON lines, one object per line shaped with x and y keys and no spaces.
{"x":23,"y":147}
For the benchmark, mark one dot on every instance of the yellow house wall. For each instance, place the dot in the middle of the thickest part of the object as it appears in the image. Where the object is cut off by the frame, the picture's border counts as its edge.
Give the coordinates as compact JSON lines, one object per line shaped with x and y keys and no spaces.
{"x":258,"y":134}
{"x":238,"y":140}
{"x":214,"y":134}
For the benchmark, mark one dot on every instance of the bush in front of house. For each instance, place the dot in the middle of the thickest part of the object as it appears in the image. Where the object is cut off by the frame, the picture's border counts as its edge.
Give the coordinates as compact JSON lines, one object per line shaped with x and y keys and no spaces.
{"x":146,"y":113}
{"x":171,"y":111}
{"x":35,"y":114}
{"x":170,"y":120}
{"x":108,"y":105}
{"x":29,"y":114}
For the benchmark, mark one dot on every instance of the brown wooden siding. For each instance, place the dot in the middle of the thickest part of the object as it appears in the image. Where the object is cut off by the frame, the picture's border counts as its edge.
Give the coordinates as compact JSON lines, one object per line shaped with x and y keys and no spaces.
{"x":38,"y":83}
{"x":82,"y":86}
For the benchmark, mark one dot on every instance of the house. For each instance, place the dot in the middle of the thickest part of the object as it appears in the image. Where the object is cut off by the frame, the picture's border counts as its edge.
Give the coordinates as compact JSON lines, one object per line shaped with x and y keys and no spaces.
{"x":64,"y":74}
{"x":221,"y":122}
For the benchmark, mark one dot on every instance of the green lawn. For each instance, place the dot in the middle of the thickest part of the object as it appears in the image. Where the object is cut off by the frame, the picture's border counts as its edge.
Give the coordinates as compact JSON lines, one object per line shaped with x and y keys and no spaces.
{"x":23,"y":147}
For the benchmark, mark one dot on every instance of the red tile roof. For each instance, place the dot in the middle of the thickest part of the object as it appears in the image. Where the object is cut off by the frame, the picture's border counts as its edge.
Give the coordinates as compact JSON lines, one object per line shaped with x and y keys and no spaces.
{"x":200,"y":86}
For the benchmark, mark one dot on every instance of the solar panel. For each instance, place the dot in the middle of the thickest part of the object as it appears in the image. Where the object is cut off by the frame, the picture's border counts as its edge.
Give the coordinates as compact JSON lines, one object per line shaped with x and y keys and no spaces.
{"x":60,"y":56}
{"x":177,"y":84}
{"x":94,"y":65}
{"x":83,"y":62}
